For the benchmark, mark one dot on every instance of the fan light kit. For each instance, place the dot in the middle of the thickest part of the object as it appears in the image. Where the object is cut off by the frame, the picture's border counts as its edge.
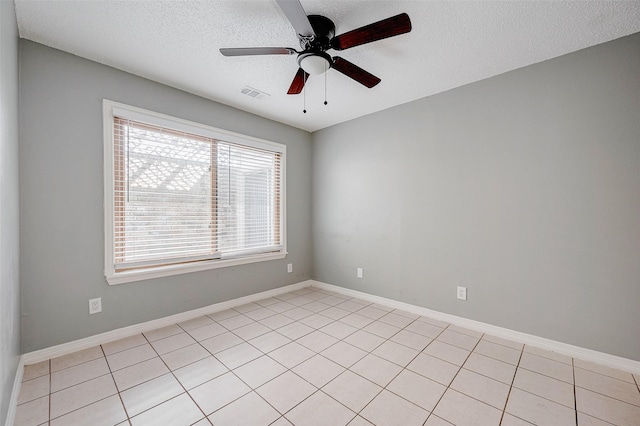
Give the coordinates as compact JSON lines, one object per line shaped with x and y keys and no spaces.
{"x":314,"y":63}
{"x":317,"y":35}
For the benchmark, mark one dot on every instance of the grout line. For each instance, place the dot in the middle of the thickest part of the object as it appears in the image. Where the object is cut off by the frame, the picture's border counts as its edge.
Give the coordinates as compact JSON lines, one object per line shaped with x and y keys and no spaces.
{"x":126,"y":413}
{"x":254,"y":389}
{"x":79,"y":383}
{"x":544,"y":374}
{"x":543,"y":355}
{"x":85,"y":381}
{"x":84,"y":406}
{"x":50,"y":374}
{"x":457,"y":372}
{"x":78,"y":364}
{"x":521,"y":419}
{"x":484,"y":375}
{"x":575,"y":397}
{"x":313,"y":393}
{"x":176,"y":379}
{"x":632,"y":382}
{"x":117,"y":352}
{"x":609,"y":396}
{"x":340,"y":402}
{"x":513,"y":379}
{"x":599,"y":418}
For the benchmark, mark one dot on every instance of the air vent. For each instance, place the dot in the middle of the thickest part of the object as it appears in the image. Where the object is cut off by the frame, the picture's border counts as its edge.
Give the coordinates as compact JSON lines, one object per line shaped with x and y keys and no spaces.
{"x":254,"y":93}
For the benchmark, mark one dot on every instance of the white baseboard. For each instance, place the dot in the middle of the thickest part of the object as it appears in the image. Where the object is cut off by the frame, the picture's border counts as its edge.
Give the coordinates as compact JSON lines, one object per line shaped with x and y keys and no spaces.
{"x":602,"y":358}
{"x":15,"y":393}
{"x":529,"y":339}
{"x":121,"y":333}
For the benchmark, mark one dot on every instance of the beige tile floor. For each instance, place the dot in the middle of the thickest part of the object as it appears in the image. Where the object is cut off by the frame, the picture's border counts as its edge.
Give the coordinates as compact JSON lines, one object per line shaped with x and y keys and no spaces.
{"x":312,"y":357}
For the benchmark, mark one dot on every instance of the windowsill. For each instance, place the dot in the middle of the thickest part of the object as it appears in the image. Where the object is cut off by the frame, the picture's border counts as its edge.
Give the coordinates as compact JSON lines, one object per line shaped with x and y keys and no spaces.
{"x":166,"y":271}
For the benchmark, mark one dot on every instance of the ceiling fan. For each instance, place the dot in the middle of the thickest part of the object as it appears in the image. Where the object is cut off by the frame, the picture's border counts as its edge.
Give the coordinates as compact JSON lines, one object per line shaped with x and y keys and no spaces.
{"x":317,"y":35}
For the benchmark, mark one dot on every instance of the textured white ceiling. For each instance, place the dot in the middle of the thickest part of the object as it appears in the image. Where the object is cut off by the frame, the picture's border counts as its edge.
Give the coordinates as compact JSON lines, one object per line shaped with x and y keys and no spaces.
{"x":452,"y":43}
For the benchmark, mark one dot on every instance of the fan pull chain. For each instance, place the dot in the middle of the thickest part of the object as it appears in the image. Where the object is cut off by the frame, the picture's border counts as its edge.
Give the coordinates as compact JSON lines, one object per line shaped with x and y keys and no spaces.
{"x":304,"y":93}
{"x":325,"y":83}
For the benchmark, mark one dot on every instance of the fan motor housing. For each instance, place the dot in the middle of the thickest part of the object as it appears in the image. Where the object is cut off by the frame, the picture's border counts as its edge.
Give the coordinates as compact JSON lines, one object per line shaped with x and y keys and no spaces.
{"x":324,"y":29}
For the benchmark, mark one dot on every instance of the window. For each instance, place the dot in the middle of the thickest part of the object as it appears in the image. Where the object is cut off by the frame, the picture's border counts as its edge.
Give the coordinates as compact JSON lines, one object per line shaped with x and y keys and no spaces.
{"x":183,"y":197}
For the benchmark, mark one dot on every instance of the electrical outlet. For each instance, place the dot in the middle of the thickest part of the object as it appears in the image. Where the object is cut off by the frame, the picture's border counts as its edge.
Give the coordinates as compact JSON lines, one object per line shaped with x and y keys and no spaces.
{"x":289,"y":268}
{"x":95,"y":305}
{"x":462,"y":293}
{"x":359,"y":272}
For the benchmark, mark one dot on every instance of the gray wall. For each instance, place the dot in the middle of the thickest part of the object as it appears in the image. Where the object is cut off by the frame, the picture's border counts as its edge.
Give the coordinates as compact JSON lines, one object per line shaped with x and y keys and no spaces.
{"x":9,"y":202}
{"x":525,"y":188}
{"x":61,"y":172}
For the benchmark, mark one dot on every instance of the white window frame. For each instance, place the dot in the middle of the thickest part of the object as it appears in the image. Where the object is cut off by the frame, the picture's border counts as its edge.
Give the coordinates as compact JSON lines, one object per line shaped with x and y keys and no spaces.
{"x":111,"y":109}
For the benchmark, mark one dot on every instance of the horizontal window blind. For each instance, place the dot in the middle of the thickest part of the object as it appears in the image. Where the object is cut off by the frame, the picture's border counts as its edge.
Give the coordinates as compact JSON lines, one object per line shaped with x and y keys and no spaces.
{"x":181,"y":197}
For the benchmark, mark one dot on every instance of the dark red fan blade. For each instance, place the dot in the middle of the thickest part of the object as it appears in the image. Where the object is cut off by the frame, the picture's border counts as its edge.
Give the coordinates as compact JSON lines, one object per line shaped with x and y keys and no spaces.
{"x":389,"y":27}
{"x":354,"y":72}
{"x":298,"y":82}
